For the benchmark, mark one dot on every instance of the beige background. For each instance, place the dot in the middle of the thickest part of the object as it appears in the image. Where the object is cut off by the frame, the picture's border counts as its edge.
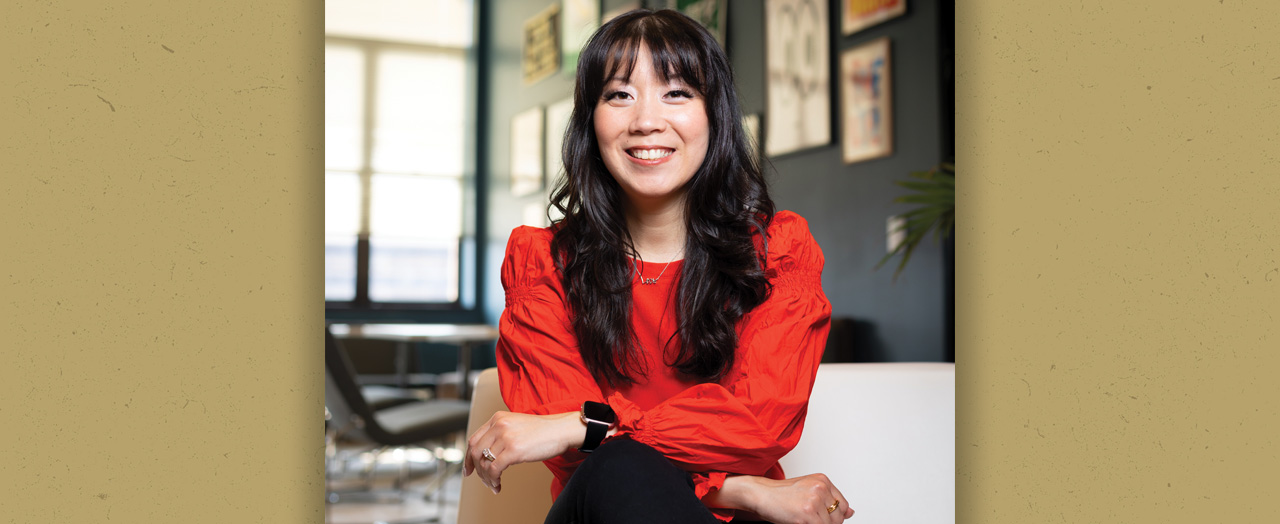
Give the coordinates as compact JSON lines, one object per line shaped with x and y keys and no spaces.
{"x":1119,"y":280}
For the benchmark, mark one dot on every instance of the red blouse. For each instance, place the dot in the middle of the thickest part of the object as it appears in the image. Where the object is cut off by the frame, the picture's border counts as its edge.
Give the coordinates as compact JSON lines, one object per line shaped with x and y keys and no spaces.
{"x":741,"y":425}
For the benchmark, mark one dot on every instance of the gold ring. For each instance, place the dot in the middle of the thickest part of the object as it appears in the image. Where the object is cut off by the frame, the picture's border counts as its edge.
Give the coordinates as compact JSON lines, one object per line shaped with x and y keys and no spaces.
{"x":487,"y":454}
{"x":833,"y":506}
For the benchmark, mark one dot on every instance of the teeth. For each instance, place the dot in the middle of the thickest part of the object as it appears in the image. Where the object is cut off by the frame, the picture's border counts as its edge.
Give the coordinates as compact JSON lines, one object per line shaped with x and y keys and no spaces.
{"x":650,"y":154}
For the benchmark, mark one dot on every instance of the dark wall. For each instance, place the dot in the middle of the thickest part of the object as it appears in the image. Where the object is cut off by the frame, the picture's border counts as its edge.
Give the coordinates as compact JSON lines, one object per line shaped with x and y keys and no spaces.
{"x":846,"y":205}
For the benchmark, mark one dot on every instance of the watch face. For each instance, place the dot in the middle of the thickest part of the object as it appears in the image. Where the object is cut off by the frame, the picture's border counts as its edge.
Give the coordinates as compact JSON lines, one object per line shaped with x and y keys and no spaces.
{"x":598,"y":411}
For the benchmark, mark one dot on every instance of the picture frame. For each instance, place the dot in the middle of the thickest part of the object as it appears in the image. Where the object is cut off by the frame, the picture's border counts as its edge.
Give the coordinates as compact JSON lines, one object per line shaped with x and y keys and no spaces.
{"x":526,"y":152}
{"x":751,"y":126}
{"x":797,"y":76}
{"x":712,"y":14}
{"x":540,"y":56}
{"x":619,"y":10}
{"x":557,"y":122}
{"x":534,"y":214}
{"x":579,"y":20}
{"x":866,"y":89}
{"x":861,"y":14}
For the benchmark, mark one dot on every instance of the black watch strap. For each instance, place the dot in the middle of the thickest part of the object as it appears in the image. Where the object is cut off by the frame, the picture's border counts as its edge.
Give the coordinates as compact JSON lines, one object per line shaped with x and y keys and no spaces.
{"x":599,"y":418}
{"x":595,"y":434}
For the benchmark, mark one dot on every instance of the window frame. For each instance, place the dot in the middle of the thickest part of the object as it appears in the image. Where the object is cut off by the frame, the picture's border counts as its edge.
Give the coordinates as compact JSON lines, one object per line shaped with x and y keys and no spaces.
{"x":469,"y":305}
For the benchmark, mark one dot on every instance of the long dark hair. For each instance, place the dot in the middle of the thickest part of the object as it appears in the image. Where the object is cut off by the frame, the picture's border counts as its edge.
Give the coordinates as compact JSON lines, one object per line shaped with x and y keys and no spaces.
{"x":727,"y":208}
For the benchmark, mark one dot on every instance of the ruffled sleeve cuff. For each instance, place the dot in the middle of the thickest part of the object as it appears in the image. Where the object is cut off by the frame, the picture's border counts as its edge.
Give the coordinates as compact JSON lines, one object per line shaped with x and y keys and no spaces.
{"x":706,"y":483}
{"x":631,"y":419}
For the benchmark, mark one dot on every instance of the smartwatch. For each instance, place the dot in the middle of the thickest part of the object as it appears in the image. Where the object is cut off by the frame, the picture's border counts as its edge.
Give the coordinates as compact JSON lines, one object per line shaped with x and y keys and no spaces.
{"x":598,"y":418}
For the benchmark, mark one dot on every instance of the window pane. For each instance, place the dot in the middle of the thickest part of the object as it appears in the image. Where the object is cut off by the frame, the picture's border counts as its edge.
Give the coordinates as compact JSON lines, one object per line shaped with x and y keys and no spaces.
{"x":341,"y":223}
{"x":411,"y":206}
{"x":438,"y":22}
{"x":341,"y":203}
{"x":415,"y":223}
{"x":420,"y":111}
{"x":339,"y":268}
{"x":413,"y":270}
{"x":343,"y":107}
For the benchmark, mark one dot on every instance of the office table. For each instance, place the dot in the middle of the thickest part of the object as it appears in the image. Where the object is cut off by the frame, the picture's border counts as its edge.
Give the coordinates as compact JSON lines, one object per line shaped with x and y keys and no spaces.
{"x":462,"y":335}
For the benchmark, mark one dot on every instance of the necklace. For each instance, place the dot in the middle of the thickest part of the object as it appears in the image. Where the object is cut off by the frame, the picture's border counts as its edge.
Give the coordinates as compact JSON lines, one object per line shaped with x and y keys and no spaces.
{"x":660,"y":273}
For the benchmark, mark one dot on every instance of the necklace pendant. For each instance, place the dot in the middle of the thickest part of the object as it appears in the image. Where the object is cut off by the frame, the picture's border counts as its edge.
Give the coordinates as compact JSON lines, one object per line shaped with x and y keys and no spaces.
{"x":649,"y":280}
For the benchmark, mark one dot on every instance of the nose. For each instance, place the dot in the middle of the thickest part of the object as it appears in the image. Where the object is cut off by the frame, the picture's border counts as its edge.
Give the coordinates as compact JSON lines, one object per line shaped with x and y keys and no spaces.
{"x":647,"y":117}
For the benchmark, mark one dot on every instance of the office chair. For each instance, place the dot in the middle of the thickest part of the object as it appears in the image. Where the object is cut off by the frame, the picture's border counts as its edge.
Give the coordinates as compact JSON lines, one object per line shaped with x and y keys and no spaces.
{"x":352,"y":417}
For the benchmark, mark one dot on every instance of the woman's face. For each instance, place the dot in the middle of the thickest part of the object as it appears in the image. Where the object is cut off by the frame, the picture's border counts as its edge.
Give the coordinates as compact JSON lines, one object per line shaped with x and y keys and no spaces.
{"x":652,"y":134}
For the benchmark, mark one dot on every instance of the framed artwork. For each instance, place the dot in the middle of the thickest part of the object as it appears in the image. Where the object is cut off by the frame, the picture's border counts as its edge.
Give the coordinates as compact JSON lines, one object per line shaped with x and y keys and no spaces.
{"x":580,"y":18}
{"x":534,"y":214}
{"x":861,"y":14}
{"x":866,"y":91}
{"x":541,"y":54}
{"x":613,"y":13}
{"x":751,"y":126}
{"x":798,"y":76}
{"x":557,"y":121}
{"x":710,"y":13}
{"x":526,"y":152}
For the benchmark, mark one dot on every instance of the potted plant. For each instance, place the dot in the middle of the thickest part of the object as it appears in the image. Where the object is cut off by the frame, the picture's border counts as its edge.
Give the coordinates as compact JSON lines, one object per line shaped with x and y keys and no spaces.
{"x":935,"y":192}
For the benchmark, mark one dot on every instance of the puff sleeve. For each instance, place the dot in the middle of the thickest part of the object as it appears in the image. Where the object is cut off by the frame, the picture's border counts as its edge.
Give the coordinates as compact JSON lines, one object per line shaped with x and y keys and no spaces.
{"x":741,"y":425}
{"x":539,"y":368}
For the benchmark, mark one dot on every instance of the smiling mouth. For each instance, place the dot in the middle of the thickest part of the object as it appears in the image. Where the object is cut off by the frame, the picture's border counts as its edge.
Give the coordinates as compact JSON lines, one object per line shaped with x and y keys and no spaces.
{"x":650,"y":154}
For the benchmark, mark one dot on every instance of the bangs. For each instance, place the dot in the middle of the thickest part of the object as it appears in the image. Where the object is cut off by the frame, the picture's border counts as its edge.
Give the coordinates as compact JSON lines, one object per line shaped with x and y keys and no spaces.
{"x":673,"y":58}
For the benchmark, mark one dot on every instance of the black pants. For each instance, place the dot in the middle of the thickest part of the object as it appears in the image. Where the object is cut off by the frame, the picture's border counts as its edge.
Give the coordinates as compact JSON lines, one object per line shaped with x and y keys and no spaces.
{"x":625,"y":482}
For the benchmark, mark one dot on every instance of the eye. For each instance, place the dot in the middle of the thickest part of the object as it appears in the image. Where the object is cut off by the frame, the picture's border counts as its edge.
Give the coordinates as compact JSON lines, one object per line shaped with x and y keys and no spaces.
{"x":680,"y":93}
{"x":616,"y":95}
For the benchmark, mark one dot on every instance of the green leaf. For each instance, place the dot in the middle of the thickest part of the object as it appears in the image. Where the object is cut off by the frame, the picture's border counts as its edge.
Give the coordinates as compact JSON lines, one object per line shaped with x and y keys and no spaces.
{"x":934,"y":194}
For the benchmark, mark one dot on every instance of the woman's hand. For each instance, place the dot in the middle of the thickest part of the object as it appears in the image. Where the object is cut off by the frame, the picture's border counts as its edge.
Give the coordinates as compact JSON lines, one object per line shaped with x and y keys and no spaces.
{"x":791,"y":501}
{"x":515,"y":438}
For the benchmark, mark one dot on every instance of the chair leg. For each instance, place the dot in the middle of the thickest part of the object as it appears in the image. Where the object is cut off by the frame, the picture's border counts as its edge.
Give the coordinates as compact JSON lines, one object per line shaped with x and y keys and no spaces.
{"x":443,"y":467}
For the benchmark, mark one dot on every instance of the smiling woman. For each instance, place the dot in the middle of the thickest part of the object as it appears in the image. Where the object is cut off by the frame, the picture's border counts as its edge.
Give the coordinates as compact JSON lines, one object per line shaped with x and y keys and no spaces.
{"x":652,"y":131}
{"x":660,"y":391}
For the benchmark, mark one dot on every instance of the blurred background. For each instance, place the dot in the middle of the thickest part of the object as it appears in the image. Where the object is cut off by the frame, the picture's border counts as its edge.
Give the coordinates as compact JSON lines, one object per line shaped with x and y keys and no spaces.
{"x":443,"y":120}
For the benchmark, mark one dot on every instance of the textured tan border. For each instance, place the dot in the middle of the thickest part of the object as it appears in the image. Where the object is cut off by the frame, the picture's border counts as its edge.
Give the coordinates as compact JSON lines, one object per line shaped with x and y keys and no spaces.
{"x":1118,"y":269}
{"x":161,"y":262}
{"x":1118,"y":296}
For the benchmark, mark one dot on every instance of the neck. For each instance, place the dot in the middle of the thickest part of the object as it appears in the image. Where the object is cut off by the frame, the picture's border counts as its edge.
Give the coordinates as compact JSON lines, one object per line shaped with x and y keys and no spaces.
{"x":657,"y":230}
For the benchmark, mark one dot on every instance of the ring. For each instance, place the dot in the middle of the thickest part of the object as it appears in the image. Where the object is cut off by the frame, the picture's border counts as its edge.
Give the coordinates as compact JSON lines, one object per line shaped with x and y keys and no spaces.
{"x":833,"y":506}
{"x":488,"y":454}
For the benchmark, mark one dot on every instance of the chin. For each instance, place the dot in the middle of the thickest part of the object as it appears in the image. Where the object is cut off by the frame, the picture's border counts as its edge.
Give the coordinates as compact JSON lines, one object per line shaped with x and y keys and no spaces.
{"x":656,"y":193}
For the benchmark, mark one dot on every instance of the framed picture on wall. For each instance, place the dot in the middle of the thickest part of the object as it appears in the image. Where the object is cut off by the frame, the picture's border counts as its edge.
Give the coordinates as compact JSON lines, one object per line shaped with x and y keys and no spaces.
{"x":541,"y":49}
{"x":534,"y":214}
{"x":579,"y":19}
{"x":710,"y":13}
{"x":751,"y":126}
{"x":866,"y":92}
{"x":621,"y":9}
{"x":526,"y":152}
{"x":798,"y":76}
{"x":557,"y":121}
{"x":861,"y":14}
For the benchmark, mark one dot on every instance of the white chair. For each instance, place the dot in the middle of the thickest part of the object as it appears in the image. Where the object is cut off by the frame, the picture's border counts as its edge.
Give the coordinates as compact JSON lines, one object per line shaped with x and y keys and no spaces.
{"x":526,"y":488}
{"x":883,"y":433}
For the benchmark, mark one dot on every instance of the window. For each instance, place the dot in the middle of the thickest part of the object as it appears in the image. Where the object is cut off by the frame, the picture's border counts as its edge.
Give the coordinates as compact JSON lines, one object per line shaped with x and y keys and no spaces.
{"x":399,"y":145}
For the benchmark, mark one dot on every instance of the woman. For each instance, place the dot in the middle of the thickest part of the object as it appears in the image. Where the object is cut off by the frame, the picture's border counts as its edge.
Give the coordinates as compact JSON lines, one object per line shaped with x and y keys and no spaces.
{"x":659,"y":343}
